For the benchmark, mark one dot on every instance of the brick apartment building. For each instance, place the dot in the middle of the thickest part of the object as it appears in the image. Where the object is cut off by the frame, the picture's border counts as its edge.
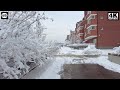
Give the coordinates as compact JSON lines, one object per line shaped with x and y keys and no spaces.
{"x":95,"y":27}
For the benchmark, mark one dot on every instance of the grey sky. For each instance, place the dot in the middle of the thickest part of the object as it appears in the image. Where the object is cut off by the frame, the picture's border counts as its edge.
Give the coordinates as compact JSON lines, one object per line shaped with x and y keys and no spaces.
{"x":64,"y":21}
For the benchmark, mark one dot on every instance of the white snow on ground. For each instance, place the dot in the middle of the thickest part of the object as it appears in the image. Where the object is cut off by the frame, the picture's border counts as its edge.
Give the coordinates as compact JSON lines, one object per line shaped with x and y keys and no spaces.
{"x":106,"y":51}
{"x":116,"y":50}
{"x":53,"y":70}
{"x":78,"y":44}
{"x":67,"y":50}
{"x":56,"y":67}
{"x":91,"y":50}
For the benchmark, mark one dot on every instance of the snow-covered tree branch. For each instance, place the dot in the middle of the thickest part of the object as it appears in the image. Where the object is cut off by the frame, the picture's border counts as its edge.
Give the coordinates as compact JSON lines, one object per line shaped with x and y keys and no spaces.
{"x":21,"y":41}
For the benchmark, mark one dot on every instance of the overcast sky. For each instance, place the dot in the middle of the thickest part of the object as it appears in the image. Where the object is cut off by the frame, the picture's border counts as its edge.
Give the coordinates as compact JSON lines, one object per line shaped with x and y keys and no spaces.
{"x":64,"y":21}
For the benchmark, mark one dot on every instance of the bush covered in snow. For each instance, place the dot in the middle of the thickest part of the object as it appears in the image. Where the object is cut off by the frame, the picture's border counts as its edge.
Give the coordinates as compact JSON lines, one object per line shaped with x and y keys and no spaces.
{"x":116,"y":50}
{"x":91,"y":50}
{"x":22,"y":41}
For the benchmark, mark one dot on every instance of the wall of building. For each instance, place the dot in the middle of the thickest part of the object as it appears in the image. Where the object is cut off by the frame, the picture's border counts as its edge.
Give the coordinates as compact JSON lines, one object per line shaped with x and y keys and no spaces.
{"x":91,"y":41}
{"x":108,"y":31}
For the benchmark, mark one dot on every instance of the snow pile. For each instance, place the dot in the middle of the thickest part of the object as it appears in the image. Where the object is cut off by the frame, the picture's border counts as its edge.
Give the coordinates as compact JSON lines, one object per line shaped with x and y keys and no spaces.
{"x":106,"y":51}
{"x":91,"y":50}
{"x":78,"y":45}
{"x":64,"y":50}
{"x":116,"y":50}
{"x":69,"y":51}
{"x":22,"y":43}
{"x":76,"y":52}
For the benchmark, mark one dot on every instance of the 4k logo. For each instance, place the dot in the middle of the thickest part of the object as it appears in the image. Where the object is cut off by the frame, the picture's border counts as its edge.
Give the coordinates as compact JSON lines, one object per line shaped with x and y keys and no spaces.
{"x":113,"y":15}
{"x":4,"y":15}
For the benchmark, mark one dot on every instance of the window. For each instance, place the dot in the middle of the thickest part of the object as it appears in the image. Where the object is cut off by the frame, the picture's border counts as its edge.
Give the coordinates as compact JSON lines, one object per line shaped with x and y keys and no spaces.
{"x":93,"y":27}
{"x":90,"y":18}
{"x":93,"y":17}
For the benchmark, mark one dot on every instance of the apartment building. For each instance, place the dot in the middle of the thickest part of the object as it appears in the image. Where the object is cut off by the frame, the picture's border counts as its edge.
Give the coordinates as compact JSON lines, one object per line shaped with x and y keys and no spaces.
{"x":79,"y":35}
{"x":95,"y":27}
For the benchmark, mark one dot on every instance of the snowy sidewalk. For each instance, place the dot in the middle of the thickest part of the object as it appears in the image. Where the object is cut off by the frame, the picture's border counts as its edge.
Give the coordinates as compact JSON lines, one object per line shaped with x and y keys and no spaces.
{"x":53,"y":71}
{"x":35,"y":73}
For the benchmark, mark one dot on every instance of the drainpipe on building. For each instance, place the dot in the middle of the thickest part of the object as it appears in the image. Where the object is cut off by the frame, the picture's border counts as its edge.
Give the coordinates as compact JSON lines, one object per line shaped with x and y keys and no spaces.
{"x":97,"y":31}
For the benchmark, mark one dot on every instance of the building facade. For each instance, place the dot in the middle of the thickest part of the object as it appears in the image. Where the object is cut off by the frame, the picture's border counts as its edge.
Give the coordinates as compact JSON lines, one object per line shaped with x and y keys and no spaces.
{"x":108,"y":31}
{"x":72,"y":37}
{"x":95,"y":27}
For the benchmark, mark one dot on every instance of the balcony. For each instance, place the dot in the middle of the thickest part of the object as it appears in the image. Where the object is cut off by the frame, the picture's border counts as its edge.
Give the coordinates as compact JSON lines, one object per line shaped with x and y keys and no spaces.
{"x":91,"y":20}
{"x":92,"y":27}
{"x":90,"y":37}
{"x":91,"y":16}
{"x":81,"y":34}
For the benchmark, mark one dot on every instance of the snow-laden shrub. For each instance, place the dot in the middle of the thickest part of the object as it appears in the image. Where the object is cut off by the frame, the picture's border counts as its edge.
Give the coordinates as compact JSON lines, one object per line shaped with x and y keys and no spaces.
{"x":116,"y":50}
{"x":91,"y":50}
{"x":22,"y":40}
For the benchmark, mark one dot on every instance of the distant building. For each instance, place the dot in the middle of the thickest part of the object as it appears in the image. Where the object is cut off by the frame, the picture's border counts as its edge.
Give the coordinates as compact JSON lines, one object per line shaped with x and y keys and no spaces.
{"x":68,"y":37}
{"x":72,"y":37}
{"x":79,"y":32}
{"x":67,"y":41}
